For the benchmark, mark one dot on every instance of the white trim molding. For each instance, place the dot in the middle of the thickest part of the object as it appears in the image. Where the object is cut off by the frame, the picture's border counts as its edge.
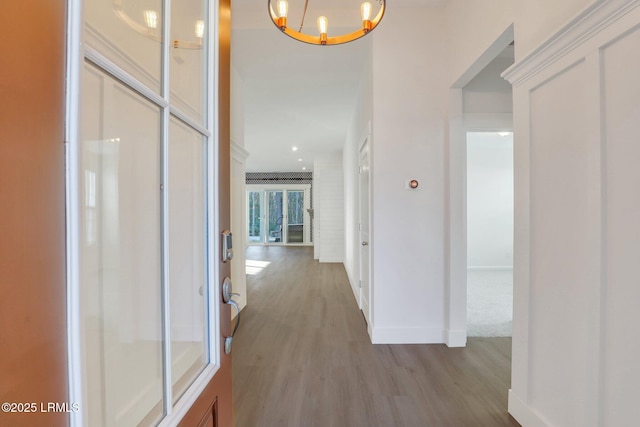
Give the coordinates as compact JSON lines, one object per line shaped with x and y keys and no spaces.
{"x":456,"y":338}
{"x":407,"y":335}
{"x":238,"y":152}
{"x":524,"y":414}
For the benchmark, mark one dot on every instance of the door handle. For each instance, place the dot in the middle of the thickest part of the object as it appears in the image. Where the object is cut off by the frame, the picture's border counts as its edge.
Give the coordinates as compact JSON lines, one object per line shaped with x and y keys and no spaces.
{"x":228,"y":340}
{"x":227,"y":299}
{"x":365,"y":243}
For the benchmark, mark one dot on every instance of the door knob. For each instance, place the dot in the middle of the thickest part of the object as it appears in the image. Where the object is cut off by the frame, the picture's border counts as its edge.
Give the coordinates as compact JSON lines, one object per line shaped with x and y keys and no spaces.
{"x":365,"y":243}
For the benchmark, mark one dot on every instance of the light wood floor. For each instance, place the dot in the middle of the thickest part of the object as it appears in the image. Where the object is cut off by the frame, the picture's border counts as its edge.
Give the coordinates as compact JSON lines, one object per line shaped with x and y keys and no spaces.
{"x":302,"y":357}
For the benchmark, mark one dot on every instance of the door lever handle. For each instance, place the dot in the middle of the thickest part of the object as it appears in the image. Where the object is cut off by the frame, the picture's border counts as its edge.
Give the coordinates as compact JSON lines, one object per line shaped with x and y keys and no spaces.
{"x":226,"y":298}
{"x":228,"y":340}
{"x":365,"y":243}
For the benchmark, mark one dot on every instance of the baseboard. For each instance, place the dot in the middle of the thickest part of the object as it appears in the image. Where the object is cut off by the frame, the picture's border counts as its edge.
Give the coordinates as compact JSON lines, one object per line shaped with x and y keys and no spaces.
{"x":354,"y":288}
{"x":331,"y":260}
{"x":456,"y":338}
{"x":489,"y":268}
{"x":523,"y":413}
{"x":407,"y":336}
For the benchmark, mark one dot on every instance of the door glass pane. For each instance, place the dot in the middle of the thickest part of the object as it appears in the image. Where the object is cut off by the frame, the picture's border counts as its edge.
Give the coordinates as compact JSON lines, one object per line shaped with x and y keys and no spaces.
{"x":187,"y":255}
{"x":275,"y":213}
{"x":187,"y":57}
{"x":295,"y":216}
{"x":128,"y":33}
{"x":121,"y":254}
{"x":254,"y":210}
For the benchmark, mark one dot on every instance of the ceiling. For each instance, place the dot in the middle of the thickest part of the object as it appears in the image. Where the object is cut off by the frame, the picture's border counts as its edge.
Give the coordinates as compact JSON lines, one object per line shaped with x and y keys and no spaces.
{"x":295,"y":94}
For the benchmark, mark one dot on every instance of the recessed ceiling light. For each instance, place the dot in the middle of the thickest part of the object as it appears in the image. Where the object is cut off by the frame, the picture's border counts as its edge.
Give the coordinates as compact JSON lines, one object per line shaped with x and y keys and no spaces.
{"x":304,"y":168}
{"x":504,"y":133}
{"x":294,"y":148}
{"x":299,"y":160}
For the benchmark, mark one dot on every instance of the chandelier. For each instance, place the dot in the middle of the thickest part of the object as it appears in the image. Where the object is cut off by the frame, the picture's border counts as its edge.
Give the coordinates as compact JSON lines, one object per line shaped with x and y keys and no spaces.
{"x":279,"y":18}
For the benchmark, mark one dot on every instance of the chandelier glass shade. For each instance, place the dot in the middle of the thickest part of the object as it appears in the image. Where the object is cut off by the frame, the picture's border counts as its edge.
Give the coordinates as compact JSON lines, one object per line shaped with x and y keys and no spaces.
{"x":279,"y":10}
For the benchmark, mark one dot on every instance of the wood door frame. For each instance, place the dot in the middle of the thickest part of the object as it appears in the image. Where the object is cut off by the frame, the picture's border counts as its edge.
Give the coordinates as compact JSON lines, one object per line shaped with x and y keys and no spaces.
{"x":32,"y":244}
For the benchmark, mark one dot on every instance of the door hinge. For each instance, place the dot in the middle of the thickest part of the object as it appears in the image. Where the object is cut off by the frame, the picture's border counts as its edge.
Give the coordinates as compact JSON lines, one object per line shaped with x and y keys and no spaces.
{"x":360,"y":282}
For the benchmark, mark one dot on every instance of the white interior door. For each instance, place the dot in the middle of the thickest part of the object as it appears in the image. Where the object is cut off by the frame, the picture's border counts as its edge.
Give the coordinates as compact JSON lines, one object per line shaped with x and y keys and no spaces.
{"x":364,"y":230}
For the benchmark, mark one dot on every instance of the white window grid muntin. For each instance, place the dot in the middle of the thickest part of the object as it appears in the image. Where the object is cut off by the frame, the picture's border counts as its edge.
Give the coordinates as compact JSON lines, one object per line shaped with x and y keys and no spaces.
{"x":77,"y":55}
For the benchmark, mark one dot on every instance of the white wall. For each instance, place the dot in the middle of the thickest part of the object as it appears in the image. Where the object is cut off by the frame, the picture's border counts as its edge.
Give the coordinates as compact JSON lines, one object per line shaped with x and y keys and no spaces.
{"x":238,"y":189}
{"x":409,"y":98}
{"x":237,"y":107}
{"x":538,"y":20}
{"x":357,"y":133}
{"x":328,"y":207}
{"x":576,"y":109}
{"x":488,"y":93}
{"x":238,"y":224}
{"x":473,"y":25}
{"x":489,"y":200}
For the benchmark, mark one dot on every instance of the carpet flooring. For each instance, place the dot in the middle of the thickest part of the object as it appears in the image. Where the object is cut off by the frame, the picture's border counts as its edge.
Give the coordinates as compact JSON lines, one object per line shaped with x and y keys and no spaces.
{"x":489,"y":303}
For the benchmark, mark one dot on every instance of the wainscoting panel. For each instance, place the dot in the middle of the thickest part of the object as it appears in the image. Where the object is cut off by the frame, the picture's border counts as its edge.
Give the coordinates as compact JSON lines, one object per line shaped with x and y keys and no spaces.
{"x":577,"y":236}
{"x":621,"y":115}
{"x":560,"y":249}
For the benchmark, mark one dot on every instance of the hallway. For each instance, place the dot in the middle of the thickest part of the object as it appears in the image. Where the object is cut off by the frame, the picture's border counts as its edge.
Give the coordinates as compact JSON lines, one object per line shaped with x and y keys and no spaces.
{"x":302,"y":357}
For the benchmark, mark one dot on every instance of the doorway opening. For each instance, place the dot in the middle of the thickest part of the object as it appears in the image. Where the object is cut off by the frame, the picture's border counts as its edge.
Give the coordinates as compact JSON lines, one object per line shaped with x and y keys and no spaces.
{"x":489,"y":234}
{"x":479,"y":101}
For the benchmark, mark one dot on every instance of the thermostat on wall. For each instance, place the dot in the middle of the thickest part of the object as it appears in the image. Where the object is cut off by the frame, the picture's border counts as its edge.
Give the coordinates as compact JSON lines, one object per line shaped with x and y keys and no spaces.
{"x":411,"y":184}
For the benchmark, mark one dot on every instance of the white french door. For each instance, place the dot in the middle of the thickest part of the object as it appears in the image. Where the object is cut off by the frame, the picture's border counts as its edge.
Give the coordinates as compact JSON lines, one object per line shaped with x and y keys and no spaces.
{"x":278,"y":215}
